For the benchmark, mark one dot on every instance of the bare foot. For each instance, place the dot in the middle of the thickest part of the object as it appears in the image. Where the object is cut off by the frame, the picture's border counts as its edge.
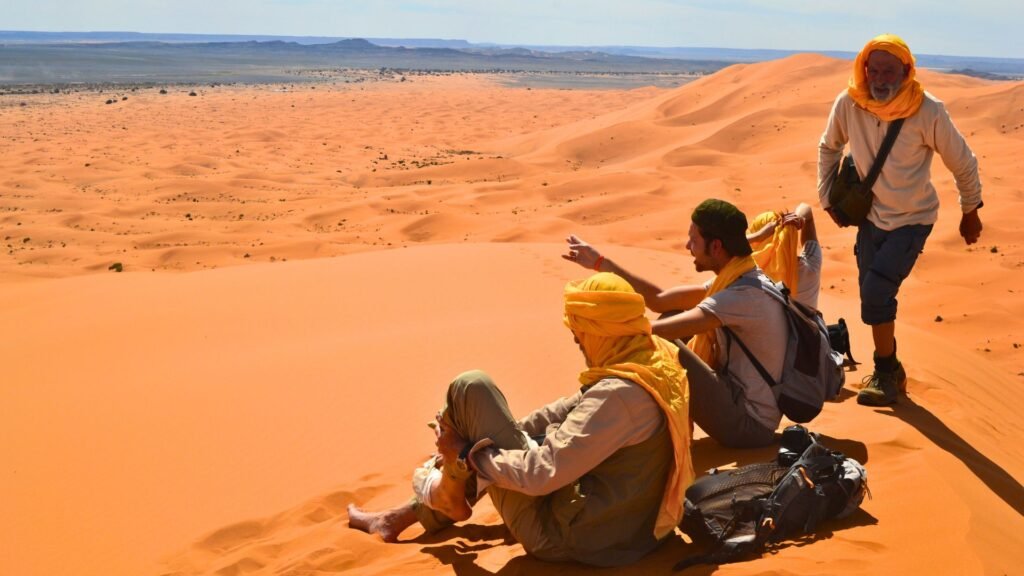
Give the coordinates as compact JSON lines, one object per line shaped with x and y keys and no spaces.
{"x":386,"y":523}
{"x":449,"y":498}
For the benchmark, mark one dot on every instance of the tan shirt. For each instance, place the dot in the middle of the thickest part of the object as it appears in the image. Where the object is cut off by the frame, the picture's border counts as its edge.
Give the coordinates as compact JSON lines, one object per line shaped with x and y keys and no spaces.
{"x":904,"y":193}
{"x":582,"y":431}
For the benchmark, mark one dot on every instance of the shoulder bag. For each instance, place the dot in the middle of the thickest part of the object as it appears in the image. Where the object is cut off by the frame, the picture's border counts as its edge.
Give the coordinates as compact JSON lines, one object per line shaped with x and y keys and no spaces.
{"x":850,"y":199}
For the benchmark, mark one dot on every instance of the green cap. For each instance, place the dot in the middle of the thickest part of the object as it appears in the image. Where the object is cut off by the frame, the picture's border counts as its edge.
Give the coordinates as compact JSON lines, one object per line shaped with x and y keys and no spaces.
{"x":718,"y":219}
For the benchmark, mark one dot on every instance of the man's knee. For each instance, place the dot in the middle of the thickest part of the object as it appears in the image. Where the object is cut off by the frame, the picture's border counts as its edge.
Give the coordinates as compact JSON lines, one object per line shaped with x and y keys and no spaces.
{"x":469,"y":380}
{"x":471,"y":392}
{"x":471,"y":386}
{"x":878,"y":299}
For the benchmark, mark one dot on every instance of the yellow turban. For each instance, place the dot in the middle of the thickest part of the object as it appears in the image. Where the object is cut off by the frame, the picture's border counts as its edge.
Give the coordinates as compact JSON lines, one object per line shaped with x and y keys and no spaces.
{"x":607,"y":317}
{"x":777,"y":255}
{"x":910,"y":95}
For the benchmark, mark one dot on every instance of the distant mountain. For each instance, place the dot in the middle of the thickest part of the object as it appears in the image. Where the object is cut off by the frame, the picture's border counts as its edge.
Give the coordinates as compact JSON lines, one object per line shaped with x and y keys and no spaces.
{"x":120,"y":57}
{"x":143,"y":60}
{"x":27,"y":37}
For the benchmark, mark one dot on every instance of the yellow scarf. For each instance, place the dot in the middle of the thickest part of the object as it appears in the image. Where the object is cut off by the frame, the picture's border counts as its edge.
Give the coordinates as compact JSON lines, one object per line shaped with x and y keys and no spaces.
{"x":704,"y":344}
{"x":910,"y":95}
{"x":777,"y":255}
{"x":607,"y":317}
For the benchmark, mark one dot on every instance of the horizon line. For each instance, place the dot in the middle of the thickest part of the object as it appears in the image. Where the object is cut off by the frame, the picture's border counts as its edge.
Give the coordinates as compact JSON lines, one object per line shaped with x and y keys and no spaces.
{"x":493,"y":44}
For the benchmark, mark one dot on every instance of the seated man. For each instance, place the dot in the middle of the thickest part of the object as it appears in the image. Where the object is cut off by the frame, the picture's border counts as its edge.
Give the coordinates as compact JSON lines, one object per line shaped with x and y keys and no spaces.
{"x":605,"y":483}
{"x":729,"y":399}
{"x":773,"y":237}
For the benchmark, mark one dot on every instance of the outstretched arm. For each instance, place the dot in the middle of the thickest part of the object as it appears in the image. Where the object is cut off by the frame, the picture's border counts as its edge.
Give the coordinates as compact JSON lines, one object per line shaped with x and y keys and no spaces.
{"x":689,"y":323}
{"x":658,"y":300}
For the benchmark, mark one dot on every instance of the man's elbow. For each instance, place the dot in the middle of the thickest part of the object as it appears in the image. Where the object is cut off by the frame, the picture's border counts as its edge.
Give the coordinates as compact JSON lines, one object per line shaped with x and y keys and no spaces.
{"x":657,"y":305}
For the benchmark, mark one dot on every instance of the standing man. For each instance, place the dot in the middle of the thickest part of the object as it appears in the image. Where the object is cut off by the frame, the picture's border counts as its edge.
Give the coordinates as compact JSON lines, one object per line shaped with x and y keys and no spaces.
{"x":883,"y":89}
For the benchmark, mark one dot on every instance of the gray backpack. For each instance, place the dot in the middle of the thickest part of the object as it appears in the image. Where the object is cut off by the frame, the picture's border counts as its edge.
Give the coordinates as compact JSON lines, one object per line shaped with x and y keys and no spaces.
{"x":812,"y":371}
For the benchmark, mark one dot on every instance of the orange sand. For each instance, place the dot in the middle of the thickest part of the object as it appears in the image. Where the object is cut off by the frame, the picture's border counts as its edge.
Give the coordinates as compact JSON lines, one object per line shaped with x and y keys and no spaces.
{"x":344,"y":251}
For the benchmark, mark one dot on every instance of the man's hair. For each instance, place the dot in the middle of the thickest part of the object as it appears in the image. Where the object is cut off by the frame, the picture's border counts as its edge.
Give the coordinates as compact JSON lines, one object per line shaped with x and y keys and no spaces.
{"x":720,"y":220}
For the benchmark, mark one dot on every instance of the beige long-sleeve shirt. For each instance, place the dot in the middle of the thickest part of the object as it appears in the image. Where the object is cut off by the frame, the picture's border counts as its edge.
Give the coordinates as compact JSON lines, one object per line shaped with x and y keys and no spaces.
{"x":581,"y":431}
{"x":904,"y":193}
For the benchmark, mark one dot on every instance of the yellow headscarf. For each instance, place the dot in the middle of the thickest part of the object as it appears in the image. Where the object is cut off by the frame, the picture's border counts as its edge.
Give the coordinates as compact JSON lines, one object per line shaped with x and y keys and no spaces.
{"x":704,"y":344}
{"x":607,"y":317}
{"x":910,"y":95}
{"x":777,"y":255}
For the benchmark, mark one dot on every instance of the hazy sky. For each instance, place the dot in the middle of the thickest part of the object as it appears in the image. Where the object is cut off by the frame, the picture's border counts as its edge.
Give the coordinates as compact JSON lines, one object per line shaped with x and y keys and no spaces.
{"x":952,"y":27}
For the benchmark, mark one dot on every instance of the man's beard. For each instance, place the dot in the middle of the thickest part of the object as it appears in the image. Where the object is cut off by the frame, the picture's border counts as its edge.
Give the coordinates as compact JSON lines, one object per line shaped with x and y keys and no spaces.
{"x":884,"y":92}
{"x":701,"y":267}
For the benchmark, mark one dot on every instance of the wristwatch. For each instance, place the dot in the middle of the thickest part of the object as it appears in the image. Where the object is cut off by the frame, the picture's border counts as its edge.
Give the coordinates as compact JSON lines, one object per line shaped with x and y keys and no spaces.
{"x":461,"y":463}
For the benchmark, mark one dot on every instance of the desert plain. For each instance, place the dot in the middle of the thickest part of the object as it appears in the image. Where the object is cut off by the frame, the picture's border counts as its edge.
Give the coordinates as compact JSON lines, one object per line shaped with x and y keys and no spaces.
{"x":228,"y":315}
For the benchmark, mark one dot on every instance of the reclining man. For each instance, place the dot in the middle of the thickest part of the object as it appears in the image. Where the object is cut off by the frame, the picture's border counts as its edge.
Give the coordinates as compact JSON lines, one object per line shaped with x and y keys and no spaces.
{"x":585,"y":491}
{"x":775,"y":238}
{"x":729,"y":399}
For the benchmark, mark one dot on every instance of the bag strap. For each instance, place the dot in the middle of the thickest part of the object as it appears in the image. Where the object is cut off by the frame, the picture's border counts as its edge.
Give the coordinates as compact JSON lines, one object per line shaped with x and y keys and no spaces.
{"x":883,"y":152}
{"x":727,"y":553}
{"x":753,"y":359}
{"x":779,"y":297}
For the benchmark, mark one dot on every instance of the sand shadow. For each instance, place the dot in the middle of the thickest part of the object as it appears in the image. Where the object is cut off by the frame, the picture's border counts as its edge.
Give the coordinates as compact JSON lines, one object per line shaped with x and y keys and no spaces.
{"x":462,"y":556}
{"x":483,"y":533}
{"x":824,"y":531}
{"x":463,"y":560}
{"x":998,"y":480}
{"x":844,"y":394}
{"x":708,"y":453}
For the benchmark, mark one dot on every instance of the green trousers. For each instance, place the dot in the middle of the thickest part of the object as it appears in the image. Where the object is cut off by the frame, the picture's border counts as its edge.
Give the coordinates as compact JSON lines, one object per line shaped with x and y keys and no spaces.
{"x":477,"y":409}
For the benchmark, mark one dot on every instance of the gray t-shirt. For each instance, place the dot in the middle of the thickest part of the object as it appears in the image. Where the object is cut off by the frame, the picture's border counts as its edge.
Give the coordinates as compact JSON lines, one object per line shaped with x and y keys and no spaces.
{"x":809,"y":274}
{"x":760,"y":322}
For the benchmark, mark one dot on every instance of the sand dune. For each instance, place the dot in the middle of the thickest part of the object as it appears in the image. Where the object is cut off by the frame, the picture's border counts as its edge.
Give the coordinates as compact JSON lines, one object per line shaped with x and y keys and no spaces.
{"x":305,"y":269}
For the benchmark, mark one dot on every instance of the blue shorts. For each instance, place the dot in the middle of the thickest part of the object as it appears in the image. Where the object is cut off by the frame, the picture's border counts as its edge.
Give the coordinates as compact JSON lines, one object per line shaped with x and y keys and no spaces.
{"x":884,"y":260}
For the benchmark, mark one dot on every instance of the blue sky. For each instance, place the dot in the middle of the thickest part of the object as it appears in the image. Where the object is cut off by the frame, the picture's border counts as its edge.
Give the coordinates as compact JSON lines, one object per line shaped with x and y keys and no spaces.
{"x":954,"y":27}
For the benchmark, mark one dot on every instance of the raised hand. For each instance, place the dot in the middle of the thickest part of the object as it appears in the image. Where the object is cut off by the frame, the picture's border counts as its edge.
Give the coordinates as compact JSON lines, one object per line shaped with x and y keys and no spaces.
{"x":792,"y":219}
{"x":581,"y":253}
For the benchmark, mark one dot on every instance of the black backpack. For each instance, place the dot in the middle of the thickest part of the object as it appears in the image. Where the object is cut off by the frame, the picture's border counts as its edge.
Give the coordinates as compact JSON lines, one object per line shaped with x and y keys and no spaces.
{"x":839,"y":339}
{"x":739,"y":512}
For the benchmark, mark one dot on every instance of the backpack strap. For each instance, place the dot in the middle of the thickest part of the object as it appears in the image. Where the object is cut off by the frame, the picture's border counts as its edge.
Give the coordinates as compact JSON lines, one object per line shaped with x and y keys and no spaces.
{"x":773,"y":290}
{"x":816,"y":465}
{"x":776,"y":290}
{"x":729,"y":334}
